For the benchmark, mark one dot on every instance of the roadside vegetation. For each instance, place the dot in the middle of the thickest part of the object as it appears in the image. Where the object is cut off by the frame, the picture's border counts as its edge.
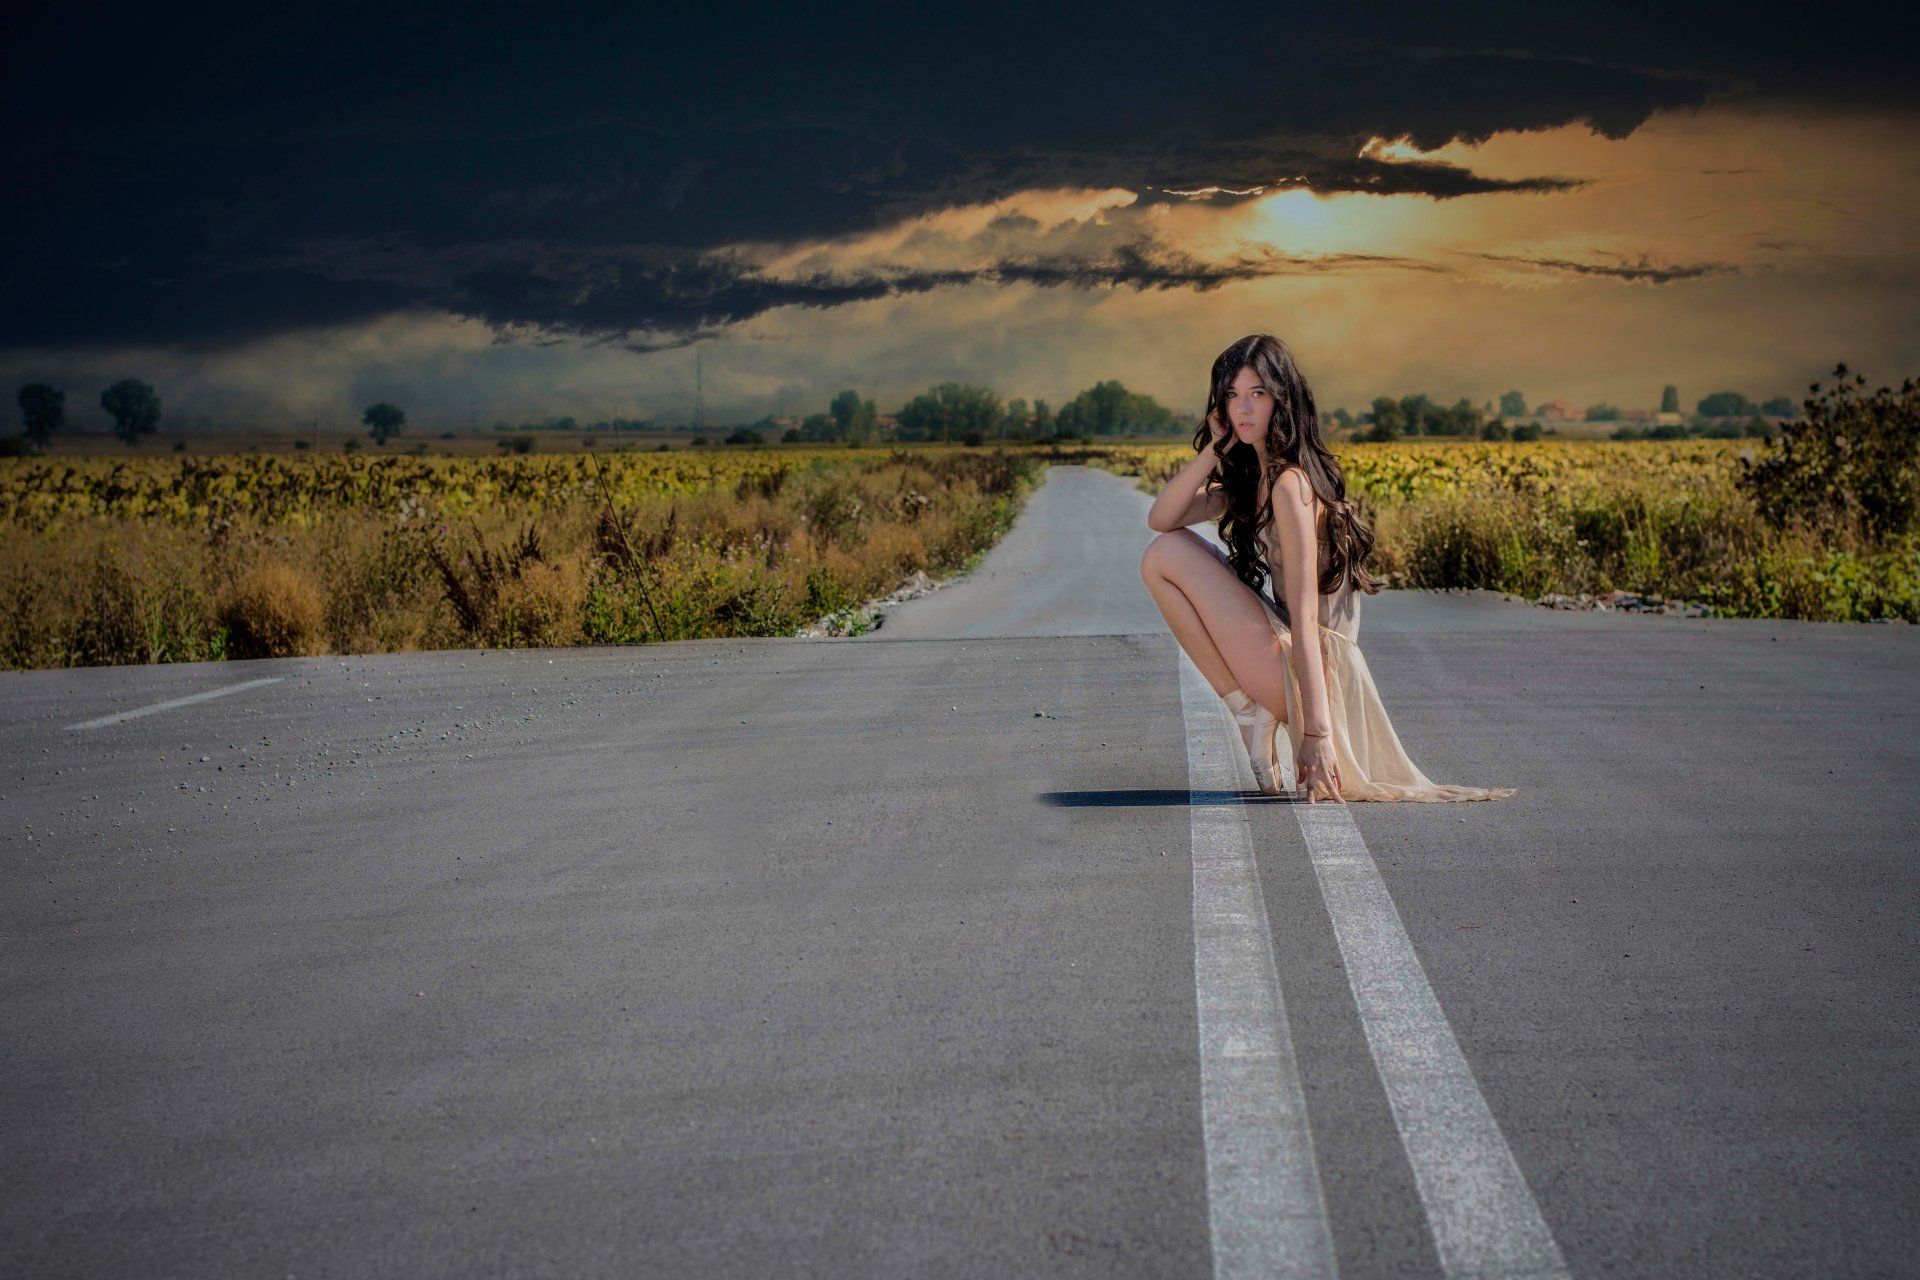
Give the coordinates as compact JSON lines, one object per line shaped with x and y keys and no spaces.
{"x":1821,"y":524}
{"x":195,"y":559}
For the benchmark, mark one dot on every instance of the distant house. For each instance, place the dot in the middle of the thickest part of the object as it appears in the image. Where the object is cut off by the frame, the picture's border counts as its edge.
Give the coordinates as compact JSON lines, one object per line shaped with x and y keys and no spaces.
{"x":1638,"y":415}
{"x":1669,"y":419}
{"x":1559,"y":411}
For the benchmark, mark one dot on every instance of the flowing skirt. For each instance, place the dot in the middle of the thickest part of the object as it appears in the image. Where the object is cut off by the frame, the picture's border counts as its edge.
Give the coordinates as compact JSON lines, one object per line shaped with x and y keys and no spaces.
{"x":1373,"y":764}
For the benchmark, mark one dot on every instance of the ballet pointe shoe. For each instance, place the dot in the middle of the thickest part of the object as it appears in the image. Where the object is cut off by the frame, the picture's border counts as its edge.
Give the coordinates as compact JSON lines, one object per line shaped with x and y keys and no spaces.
{"x":1257,"y":729}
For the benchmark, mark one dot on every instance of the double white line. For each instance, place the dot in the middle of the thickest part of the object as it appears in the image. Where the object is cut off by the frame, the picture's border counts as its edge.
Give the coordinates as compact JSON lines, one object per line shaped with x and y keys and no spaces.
{"x":1265,"y":1205}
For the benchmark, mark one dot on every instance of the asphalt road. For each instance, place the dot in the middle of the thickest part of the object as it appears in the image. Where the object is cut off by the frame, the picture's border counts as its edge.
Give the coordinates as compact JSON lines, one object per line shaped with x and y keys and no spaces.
{"x":834,"y":958}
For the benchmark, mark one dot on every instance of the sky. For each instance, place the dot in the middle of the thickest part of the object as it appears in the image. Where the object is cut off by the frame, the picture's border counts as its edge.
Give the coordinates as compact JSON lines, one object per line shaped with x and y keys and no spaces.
{"x":505,"y":212}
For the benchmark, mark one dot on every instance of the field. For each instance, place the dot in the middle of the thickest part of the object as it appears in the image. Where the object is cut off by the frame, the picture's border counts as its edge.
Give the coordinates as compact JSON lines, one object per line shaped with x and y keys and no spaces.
{"x":203,"y":558}
{"x":190,"y":557}
{"x":1661,"y":518}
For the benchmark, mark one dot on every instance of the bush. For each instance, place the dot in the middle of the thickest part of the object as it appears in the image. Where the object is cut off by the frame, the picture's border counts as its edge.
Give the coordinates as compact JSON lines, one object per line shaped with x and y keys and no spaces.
{"x":1854,"y":459}
{"x":1526,"y":431}
{"x":273,"y":611}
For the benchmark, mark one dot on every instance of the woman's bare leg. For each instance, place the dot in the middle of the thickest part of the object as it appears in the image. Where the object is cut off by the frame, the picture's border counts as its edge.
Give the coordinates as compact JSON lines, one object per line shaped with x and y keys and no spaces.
{"x":1216,"y":618}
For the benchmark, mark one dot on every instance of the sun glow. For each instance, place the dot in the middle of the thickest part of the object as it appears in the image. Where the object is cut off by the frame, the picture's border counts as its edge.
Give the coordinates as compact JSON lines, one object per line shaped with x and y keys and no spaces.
{"x":1397,"y":149}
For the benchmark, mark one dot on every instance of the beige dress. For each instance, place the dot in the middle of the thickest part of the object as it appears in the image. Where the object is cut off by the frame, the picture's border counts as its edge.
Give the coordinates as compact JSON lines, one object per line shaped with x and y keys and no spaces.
{"x":1373,"y":765}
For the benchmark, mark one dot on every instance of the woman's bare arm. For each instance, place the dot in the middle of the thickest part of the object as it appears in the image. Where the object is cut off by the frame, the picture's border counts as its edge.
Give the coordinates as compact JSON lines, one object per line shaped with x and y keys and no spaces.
{"x":1187,"y":499}
{"x":1293,"y":519}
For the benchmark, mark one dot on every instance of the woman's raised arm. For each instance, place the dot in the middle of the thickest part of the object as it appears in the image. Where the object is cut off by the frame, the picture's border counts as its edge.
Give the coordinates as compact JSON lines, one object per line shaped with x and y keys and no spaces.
{"x":1186,"y":499}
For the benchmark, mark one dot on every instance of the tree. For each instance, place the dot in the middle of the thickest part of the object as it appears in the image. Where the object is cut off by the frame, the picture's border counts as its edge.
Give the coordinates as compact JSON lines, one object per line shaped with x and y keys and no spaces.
{"x":1670,"y":399}
{"x":1418,"y":411}
{"x":383,"y":420}
{"x":1603,"y":412}
{"x":43,"y":411}
{"x":1494,"y":430}
{"x":1389,"y":419}
{"x":1109,"y":409}
{"x":948,"y":412}
{"x":1513,"y":405}
{"x":1042,"y":419}
{"x":1854,"y":457}
{"x":1463,"y":419}
{"x":135,"y":409}
{"x":744,"y":435}
{"x":845,"y":407}
{"x":1341,"y":417}
{"x":853,"y":418}
{"x":1778,"y":407}
{"x":1016,"y":418}
{"x":1727,"y":404}
{"x":818,"y":428}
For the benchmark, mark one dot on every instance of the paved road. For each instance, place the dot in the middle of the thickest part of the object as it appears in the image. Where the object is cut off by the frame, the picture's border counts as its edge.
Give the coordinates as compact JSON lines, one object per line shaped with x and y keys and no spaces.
{"x":833,"y":958}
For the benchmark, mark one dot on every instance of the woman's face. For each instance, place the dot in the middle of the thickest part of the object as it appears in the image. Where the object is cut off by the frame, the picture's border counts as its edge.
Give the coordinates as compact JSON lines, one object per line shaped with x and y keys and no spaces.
{"x":1249,"y":406}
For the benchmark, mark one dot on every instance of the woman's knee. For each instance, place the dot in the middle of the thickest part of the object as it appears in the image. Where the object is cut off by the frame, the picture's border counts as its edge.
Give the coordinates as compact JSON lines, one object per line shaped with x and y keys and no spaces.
{"x":1153,"y":560}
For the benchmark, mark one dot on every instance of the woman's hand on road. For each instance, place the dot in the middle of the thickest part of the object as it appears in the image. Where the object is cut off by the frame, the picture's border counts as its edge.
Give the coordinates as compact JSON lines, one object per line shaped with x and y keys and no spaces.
{"x":1315,"y":769}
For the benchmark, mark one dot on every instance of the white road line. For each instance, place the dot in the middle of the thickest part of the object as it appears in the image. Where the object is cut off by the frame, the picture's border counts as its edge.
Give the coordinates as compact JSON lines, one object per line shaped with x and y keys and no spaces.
{"x":169,"y":705}
{"x":1484,"y":1220}
{"x":1265,"y":1207}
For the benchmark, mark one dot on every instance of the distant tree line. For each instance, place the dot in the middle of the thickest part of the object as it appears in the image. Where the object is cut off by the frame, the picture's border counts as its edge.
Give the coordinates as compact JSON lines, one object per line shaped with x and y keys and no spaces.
{"x":132,"y":404}
{"x":957,"y":412}
{"x":1420,"y":415}
{"x":966,"y":413}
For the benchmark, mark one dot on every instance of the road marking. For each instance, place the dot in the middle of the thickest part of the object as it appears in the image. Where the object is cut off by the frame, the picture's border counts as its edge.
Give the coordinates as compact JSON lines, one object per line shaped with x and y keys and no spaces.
{"x":169,"y":705}
{"x":1484,"y":1220}
{"x":1266,"y":1210}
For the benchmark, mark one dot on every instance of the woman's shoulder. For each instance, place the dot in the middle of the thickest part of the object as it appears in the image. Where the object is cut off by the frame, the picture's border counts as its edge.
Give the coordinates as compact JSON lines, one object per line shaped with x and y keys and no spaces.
{"x":1291,"y":481}
{"x":1292,"y":473}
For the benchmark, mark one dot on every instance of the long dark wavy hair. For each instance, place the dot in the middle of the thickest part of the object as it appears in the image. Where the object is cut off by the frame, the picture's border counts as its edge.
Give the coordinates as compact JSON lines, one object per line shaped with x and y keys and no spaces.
{"x":1293,"y":439}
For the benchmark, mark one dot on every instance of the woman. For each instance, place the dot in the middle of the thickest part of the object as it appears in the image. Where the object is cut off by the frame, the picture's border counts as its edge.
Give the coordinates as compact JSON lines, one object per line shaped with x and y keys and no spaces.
{"x":1262,"y":470}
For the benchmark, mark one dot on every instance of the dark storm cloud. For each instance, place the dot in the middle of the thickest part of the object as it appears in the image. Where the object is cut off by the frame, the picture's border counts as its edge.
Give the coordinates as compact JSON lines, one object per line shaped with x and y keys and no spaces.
{"x":1642,"y":272}
{"x":173,"y":169}
{"x":610,"y":297}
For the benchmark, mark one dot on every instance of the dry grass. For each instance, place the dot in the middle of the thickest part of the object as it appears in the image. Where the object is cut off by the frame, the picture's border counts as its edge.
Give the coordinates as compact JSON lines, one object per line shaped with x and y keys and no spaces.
{"x":762,"y":550}
{"x":273,"y":610}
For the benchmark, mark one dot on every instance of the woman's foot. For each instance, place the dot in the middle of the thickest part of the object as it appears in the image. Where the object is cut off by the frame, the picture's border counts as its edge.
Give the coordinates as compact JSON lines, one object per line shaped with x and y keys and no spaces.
{"x":1257,"y":729}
